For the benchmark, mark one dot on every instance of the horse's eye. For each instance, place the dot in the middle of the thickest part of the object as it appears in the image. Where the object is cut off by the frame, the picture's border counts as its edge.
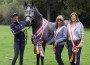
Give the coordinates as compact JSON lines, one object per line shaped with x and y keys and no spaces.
{"x":32,"y":11}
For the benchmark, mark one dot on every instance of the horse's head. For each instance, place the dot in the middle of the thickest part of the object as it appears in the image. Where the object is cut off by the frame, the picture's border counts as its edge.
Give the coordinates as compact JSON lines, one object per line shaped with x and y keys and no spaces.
{"x":29,"y":13}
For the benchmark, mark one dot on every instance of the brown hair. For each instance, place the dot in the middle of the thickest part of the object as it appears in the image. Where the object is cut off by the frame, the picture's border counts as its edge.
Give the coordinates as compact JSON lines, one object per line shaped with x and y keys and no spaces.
{"x":77,"y":18}
{"x":61,"y":18}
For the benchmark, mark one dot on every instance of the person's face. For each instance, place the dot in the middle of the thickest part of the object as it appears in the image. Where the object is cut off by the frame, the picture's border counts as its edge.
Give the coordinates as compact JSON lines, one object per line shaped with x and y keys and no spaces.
{"x":15,"y":19}
{"x":60,"y":22}
{"x":73,"y":18}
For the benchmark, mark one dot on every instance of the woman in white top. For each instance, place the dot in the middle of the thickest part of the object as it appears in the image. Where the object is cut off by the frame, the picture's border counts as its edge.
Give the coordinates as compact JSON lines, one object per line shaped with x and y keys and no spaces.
{"x":75,"y":39}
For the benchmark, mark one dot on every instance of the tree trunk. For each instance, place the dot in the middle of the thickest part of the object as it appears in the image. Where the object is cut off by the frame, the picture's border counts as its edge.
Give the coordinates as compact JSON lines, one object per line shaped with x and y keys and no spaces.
{"x":48,"y":13}
{"x":48,"y":9}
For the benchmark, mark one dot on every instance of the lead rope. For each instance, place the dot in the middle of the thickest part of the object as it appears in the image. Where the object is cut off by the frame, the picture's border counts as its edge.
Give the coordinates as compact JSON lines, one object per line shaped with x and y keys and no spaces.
{"x":26,"y":34}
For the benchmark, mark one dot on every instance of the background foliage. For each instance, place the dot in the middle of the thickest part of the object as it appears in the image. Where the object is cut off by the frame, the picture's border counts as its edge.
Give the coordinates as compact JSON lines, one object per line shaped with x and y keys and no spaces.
{"x":50,"y":9}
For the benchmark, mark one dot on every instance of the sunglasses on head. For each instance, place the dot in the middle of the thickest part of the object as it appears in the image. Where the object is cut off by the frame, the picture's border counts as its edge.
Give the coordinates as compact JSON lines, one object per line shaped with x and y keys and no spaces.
{"x":59,"y":20}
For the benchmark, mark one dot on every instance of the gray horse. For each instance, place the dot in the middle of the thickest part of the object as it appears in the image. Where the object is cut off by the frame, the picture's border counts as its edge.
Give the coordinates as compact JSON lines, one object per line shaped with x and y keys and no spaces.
{"x":35,"y":20}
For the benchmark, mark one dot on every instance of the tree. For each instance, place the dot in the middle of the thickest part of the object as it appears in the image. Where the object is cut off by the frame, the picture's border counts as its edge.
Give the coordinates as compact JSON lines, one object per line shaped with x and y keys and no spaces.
{"x":50,"y":9}
{"x":47,"y":2}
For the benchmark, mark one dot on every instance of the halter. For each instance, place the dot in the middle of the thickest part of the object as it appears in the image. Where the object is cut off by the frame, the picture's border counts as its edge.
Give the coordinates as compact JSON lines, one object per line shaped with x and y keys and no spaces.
{"x":29,"y":16}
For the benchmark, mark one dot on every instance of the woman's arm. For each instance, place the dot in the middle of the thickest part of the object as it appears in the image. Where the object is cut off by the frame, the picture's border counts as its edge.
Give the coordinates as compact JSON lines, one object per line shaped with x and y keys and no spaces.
{"x":82,"y":35}
{"x":14,"y":31}
{"x":51,"y":41}
{"x":81,"y":43}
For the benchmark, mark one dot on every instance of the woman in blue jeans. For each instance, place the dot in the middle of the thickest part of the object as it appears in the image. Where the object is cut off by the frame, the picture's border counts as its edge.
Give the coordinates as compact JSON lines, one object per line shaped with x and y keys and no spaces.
{"x":60,"y":36}
{"x":18,"y":28}
{"x":75,"y":39}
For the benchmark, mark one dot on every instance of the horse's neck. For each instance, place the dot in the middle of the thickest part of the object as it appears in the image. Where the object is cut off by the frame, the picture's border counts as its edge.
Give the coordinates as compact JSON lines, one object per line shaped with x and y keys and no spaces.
{"x":37,"y":21}
{"x":36,"y":24}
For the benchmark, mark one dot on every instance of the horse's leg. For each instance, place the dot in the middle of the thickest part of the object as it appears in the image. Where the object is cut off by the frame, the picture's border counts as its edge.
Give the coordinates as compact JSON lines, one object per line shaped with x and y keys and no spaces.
{"x":38,"y":58}
{"x":42,"y":58}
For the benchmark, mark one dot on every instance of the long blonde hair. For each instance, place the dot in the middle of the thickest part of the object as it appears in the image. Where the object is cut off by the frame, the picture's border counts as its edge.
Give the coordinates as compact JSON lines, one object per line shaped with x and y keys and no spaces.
{"x":61,"y":18}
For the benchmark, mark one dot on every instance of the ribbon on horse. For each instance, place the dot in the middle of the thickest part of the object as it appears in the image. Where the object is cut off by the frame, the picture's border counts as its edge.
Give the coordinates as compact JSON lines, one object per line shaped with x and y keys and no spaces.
{"x":75,"y":49}
{"x":41,"y":29}
{"x":38,"y":49}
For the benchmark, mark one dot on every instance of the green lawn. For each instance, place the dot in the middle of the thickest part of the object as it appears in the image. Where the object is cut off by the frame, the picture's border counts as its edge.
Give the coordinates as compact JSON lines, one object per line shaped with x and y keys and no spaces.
{"x":6,"y":50}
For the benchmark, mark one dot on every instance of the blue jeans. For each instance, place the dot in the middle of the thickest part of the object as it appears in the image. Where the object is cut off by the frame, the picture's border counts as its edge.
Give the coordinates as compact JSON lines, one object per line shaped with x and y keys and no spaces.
{"x":69,"y":44}
{"x":59,"y":49}
{"x":18,"y":49}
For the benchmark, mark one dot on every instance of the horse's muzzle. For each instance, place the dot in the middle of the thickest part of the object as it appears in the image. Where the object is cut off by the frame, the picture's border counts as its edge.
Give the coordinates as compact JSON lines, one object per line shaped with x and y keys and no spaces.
{"x":27,"y":24}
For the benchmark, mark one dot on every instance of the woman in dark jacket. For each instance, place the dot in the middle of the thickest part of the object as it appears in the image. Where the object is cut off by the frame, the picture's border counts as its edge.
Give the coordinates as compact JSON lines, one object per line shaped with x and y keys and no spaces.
{"x":18,"y":28}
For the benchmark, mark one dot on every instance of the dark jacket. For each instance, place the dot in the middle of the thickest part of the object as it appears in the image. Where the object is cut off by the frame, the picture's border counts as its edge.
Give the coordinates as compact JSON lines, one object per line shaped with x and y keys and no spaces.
{"x":16,"y":28}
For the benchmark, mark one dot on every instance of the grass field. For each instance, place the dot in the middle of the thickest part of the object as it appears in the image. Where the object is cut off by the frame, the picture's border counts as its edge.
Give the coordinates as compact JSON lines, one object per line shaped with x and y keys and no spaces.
{"x":6,"y":50}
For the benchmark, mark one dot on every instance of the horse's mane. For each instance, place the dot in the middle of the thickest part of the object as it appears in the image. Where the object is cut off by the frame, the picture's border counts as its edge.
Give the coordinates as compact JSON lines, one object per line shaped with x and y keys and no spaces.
{"x":37,"y":12}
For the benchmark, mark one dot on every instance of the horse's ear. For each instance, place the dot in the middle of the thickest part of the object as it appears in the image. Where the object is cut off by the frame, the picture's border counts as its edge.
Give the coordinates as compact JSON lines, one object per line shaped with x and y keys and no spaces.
{"x":25,"y":4}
